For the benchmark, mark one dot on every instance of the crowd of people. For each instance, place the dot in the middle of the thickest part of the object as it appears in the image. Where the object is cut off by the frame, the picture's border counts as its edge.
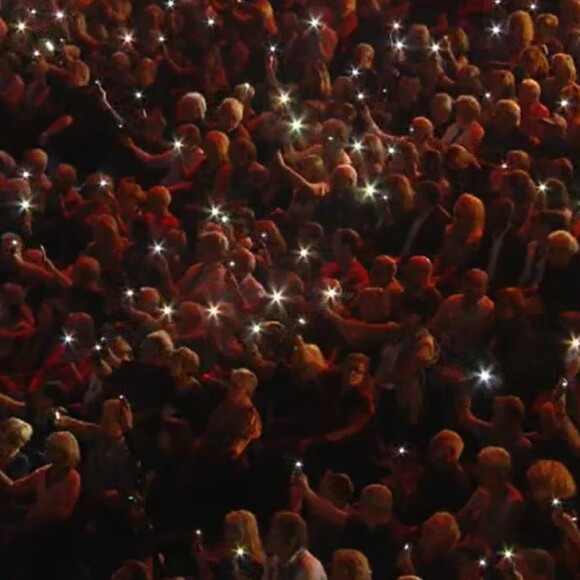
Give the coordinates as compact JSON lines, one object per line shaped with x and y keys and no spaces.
{"x":289,"y":289}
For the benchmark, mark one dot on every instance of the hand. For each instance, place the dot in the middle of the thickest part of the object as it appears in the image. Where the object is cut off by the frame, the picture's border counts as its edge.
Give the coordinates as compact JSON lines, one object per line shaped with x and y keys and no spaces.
{"x":405,"y":563}
{"x":445,"y":45}
{"x":463,"y":404}
{"x":279,"y":159}
{"x":565,"y":522}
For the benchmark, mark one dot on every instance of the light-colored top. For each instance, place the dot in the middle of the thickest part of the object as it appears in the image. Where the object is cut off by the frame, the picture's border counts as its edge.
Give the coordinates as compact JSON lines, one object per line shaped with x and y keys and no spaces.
{"x":55,"y":503}
{"x":302,"y":566}
{"x":469,"y":136}
{"x":494,"y":254}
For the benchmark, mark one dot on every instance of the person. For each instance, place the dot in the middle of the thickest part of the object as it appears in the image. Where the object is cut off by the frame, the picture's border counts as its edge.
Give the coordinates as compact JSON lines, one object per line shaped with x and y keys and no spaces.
{"x":287,"y":544}
{"x":56,"y":486}
{"x":350,"y":565}
{"x":14,"y":435}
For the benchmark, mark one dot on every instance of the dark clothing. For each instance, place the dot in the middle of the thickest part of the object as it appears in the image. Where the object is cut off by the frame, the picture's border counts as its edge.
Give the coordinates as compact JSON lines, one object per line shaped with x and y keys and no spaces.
{"x":427,"y":239}
{"x":560,"y":287}
{"x":18,"y":467}
{"x":495,"y":146}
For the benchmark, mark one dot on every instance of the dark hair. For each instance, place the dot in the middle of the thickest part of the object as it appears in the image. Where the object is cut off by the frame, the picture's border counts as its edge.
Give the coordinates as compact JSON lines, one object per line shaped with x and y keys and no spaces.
{"x":348,"y":237}
{"x":430,"y":191}
{"x":417,"y":305}
{"x":432,"y":165}
{"x":554,"y":219}
{"x":292,"y":528}
{"x":557,"y":196}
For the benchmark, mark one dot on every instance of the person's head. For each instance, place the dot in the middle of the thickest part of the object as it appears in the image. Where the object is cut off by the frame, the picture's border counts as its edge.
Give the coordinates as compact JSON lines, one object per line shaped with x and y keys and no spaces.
{"x":401,"y":193}
{"x":242,"y":263}
{"x":62,"y":450}
{"x":243,"y":381}
{"x":372,"y":304}
{"x":467,"y":110}
{"x":506,"y":116}
{"x":468,"y":215}
{"x":493,"y":468}
{"x":544,"y":222}
{"x":230,"y":114}
{"x":189,"y":135}
{"x":241,"y":531}
{"x":535,"y":564}
{"x":418,"y":271}
{"x":80,"y":326}
{"x":350,"y":565}
{"x":188,"y":317}
{"x":510,"y":303}
{"x":518,"y":160}
{"x":354,"y":370}
{"x":216,"y":147}
{"x":335,"y":133}
{"x":520,"y":29}
{"x":549,"y":480}
{"x":86,"y":272}
{"x":421,"y":130}
{"x":64,"y":178}
{"x":131,"y":570}
{"x":431,"y":165}
{"x":533,"y":63}
{"x":145,"y":72}
{"x":427,"y":196}
{"x":562,"y":247}
{"x":375,"y":506}
{"x":245,"y":93}
{"x":508,"y":414}
{"x":156,"y":348}
{"x":563,"y":68}
{"x":36,"y":161}
{"x":212,"y":247}
{"x":500,"y":215}
{"x":405,"y":159}
{"x":183,"y":364}
{"x":242,"y":153}
{"x":345,"y":245}
{"x":445,"y":449}
{"x":383,"y":271}
{"x":116,"y":418}
{"x":438,"y":537}
{"x":529,"y":93}
{"x":158,"y":200}
{"x":475,"y":286}
{"x":336,"y":488}
{"x":14,"y":435}
{"x":469,"y":80}
{"x":191,"y":108}
{"x":288,"y":534}
{"x":364,"y":55}
{"x":419,"y":37}
{"x":441,"y":108}
{"x":546,"y":25}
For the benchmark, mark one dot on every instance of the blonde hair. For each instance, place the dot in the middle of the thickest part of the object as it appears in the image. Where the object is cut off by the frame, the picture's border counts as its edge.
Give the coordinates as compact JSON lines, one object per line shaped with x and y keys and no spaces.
{"x":378,"y":499}
{"x":67,"y":444}
{"x":523,"y":23}
{"x":15,"y":432}
{"x":471,"y":209}
{"x":399,"y":186}
{"x":221,"y":144}
{"x":447,"y":436}
{"x":246,"y":524}
{"x":353,"y":564}
{"x":443,"y":524}
{"x":188,"y":359}
{"x":553,"y":478}
{"x":567,"y":61}
{"x":470,"y":105}
{"x":495,"y":459}
{"x":561,"y":237}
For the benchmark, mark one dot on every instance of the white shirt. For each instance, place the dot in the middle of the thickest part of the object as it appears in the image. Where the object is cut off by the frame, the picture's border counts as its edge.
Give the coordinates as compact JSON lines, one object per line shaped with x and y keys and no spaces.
{"x":494,"y":254}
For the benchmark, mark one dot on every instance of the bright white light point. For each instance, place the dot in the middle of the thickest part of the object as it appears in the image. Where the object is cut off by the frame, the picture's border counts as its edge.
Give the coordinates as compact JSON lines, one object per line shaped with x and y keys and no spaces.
{"x":564,"y":103}
{"x":296,"y":125}
{"x":129,"y":293}
{"x":508,"y":554}
{"x":304,"y":253}
{"x":482,"y":563}
{"x":314,"y":23}
{"x":49,"y":45}
{"x":21,"y":26}
{"x":128,"y":38}
{"x":298,"y":465}
{"x":533,"y":7}
{"x":484,"y":375}
{"x":556,"y":502}
{"x":170,"y":3}
{"x":33,"y":11}
{"x":240,"y":552}
{"x":25,"y":205}
{"x":158,"y":248}
{"x":59,"y":15}
{"x":161,"y":38}
{"x":504,"y":165}
{"x":331,"y":293}
{"x":68,"y":338}
{"x":399,"y":45}
{"x":402,"y":450}
{"x":354,"y":72}
{"x":272,"y":49}
{"x":256,"y":328}
{"x":211,"y":21}
{"x":224,"y":219}
{"x":213,"y":310}
{"x":25,"y":174}
{"x":391,"y":150}
{"x":36,"y":53}
{"x":575,"y":343}
{"x":277,"y":297}
{"x":302,"y":321}
{"x":360,"y":96}
{"x":167,"y":310}
{"x":139,"y":95}
{"x":396,"y":25}
{"x":495,"y":30}
{"x":370,"y":190}
{"x":435,"y":47}
{"x":178,"y":144}
{"x":214,"y":211}
{"x":284,"y":98}
{"x":357,"y":146}
{"x":103,"y":183}
{"x":542,"y":187}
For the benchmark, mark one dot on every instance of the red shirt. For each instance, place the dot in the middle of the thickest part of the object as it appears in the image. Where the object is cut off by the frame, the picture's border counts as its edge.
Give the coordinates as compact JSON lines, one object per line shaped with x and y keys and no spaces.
{"x":161,"y":226}
{"x":352,"y":280}
{"x":531,"y":119}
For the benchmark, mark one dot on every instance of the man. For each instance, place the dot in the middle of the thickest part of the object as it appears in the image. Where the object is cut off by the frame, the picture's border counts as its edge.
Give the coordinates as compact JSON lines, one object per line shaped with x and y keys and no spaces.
{"x":346,"y":268}
{"x":419,"y":284}
{"x":290,"y":560}
{"x":460,"y":322}
{"x":428,"y":226}
{"x":501,"y":253}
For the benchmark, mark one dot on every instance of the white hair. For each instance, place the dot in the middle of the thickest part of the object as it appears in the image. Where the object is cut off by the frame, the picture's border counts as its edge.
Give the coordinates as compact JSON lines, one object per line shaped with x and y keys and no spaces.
{"x":16,"y":432}
{"x":244,"y":379}
{"x":197,"y":98}
{"x":495,"y":459}
{"x":67,"y":444}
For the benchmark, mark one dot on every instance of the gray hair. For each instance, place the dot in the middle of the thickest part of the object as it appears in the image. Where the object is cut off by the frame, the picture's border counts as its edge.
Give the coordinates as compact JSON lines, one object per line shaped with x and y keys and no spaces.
{"x":15,"y":432}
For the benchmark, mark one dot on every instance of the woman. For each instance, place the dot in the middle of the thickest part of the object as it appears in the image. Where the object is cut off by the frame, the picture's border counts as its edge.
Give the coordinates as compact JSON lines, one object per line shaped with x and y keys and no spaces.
{"x":466,"y":130}
{"x":350,"y":565}
{"x":462,"y":238}
{"x":56,"y":486}
{"x":563,"y":74}
{"x":14,"y":435}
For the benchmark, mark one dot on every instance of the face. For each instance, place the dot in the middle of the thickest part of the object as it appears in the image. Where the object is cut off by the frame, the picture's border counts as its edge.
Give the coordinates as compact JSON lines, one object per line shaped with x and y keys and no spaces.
{"x":430,"y":541}
{"x":354,"y":374}
{"x":443,"y":455}
{"x":54,"y":454}
{"x":233,"y":536}
{"x":276,"y":543}
{"x":558,"y":254}
{"x":440,"y":112}
{"x":475,"y":288}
